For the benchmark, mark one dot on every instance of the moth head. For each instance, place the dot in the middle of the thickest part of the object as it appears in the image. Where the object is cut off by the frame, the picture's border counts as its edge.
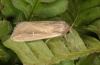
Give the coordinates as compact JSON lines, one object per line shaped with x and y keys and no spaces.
{"x":66,"y":29}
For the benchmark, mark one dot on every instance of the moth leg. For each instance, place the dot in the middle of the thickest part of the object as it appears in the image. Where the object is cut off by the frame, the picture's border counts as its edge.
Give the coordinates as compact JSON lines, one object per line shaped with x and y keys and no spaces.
{"x":70,"y":30}
{"x":48,"y":40}
{"x":65,"y":37}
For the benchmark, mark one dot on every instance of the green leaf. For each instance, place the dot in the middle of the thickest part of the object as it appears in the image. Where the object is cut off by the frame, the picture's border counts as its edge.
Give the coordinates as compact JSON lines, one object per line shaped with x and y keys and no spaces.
{"x":70,"y":62}
{"x":22,"y":5}
{"x":5,"y":28}
{"x":58,"y":47}
{"x":87,"y":60}
{"x":95,"y":27}
{"x":41,"y":50}
{"x":1,"y":6}
{"x":8,"y":9}
{"x":88,"y":4}
{"x":96,"y":60}
{"x":67,"y":17}
{"x":47,"y":1}
{"x":1,"y":16}
{"x":82,"y":12}
{"x":32,"y":2}
{"x":4,"y":56}
{"x":22,"y":50}
{"x":92,"y":43}
{"x":19,"y":18}
{"x":37,"y":8}
{"x":75,"y":43}
{"x":87,"y":16}
{"x":7,"y":56}
{"x":55,"y":8}
{"x":92,"y":59}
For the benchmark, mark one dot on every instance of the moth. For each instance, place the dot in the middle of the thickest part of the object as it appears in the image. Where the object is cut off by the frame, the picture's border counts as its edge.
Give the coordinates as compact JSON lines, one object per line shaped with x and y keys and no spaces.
{"x":36,"y":30}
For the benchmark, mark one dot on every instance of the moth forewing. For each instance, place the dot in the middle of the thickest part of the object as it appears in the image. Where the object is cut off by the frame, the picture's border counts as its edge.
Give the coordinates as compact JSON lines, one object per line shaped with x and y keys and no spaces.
{"x":36,"y":30}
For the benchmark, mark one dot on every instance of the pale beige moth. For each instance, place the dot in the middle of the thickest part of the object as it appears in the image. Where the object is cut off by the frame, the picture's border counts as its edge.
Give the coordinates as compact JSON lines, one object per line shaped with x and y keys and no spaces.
{"x":36,"y":30}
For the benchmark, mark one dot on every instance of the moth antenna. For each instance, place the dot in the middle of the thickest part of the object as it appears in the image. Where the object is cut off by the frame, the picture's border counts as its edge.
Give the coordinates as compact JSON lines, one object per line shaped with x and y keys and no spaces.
{"x":74,"y":20}
{"x":65,"y":38}
{"x":72,"y":25}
